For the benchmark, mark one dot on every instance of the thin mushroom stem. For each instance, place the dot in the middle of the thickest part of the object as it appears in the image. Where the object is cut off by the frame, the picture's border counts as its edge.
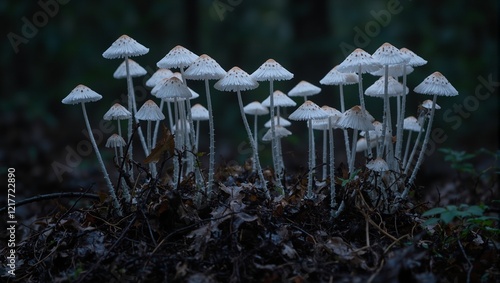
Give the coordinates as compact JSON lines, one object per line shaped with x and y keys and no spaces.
{"x":191,"y":126}
{"x":399,"y":133}
{"x":111,"y":189}
{"x":333,"y":193}
{"x":311,"y":165}
{"x":170,"y":117}
{"x":363,"y":111}
{"x":346,"y":135}
{"x":415,"y":146}
{"x":197,"y":137}
{"x":254,"y":145}
{"x":120,"y":134}
{"x":325,"y":136}
{"x":130,"y":95}
{"x":407,"y":149}
{"x":212,"y":139}
{"x":384,"y":145}
{"x":424,"y":145}
{"x":273,"y":135}
{"x":157,"y":126}
{"x":353,"y":150}
{"x":254,"y":166}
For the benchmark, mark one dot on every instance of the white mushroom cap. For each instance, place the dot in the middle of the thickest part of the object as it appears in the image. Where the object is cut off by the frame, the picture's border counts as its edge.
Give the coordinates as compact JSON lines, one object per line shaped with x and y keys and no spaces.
{"x":394,"y":88}
{"x":279,"y":132}
{"x":199,"y":113}
{"x":428,"y":104}
{"x":280,"y":99}
{"x":362,"y":145}
{"x":414,"y":59}
{"x":357,"y":58}
{"x":333,"y":114}
{"x":204,"y":67}
{"x":160,"y":74}
{"x":378,"y":165}
{"x":334,"y":77}
{"x":255,"y":108}
{"x":177,"y":57}
{"x":271,"y":70}
{"x":171,"y":87}
{"x":387,"y":54}
{"x":411,"y":123}
{"x":304,"y":88}
{"x":117,"y":112}
{"x":308,"y":111}
{"x":81,"y":94}
{"x":282,"y":122}
{"x":124,"y":46}
{"x":135,"y":70}
{"x":376,"y":132}
{"x":436,"y":84}
{"x":394,"y":71}
{"x":115,"y":141}
{"x":150,"y":112}
{"x":236,"y":79}
{"x":354,"y":119}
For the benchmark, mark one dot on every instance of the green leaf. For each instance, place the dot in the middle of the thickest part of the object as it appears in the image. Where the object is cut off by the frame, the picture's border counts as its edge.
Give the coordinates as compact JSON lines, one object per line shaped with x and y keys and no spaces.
{"x":448,"y":216}
{"x":476,"y":210}
{"x":434,"y":211}
{"x":431,"y":222}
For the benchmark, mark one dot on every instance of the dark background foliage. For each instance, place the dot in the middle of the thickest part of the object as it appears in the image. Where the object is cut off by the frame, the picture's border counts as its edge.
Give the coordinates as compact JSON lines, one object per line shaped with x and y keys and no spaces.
{"x":458,"y":38}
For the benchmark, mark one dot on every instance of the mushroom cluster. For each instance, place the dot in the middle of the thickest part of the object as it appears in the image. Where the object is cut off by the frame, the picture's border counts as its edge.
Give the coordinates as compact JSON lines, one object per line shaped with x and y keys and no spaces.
{"x":392,"y":170}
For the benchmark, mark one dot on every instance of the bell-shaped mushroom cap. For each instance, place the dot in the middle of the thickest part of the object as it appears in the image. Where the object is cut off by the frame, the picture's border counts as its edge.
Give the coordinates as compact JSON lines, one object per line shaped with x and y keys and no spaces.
{"x":362,"y":144}
{"x":271,"y":70}
{"x":394,"y":88}
{"x":414,"y":59}
{"x":411,"y":123}
{"x":282,"y":122}
{"x":178,"y":57}
{"x":279,"y":132}
{"x":308,"y":111}
{"x":280,"y":99}
{"x":428,"y":104}
{"x":236,"y":79}
{"x":304,"y":88}
{"x":158,"y":76}
{"x":115,"y":141}
{"x":354,"y":119}
{"x":204,"y":67}
{"x":378,"y":165}
{"x":387,"y":54}
{"x":436,"y":84}
{"x":117,"y":112}
{"x":358,"y":58}
{"x":124,"y":46}
{"x":135,"y":70}
{"x":171,"y":87}
{"x":199,"y":113}
{"x":150,"y":112}
{"x":81,"y":94}
{"x":333,"y":114}
{"x":334,"y":77}
{"x":394,"y":71}
{"x":376,"y":132}
{"x":255,"y":108}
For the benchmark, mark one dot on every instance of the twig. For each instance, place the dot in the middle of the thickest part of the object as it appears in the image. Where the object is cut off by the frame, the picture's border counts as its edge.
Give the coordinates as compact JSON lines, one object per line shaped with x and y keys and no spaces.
{"x":466,"y":258}
{"x":53,"y":196}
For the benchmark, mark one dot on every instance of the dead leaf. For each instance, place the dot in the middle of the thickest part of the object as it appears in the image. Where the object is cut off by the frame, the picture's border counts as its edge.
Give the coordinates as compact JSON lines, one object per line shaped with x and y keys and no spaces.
{"x":166,"y":144}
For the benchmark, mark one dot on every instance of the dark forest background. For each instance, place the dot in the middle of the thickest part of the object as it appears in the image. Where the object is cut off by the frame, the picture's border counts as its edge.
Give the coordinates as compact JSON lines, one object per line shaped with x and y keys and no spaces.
{"x":458,"y":38}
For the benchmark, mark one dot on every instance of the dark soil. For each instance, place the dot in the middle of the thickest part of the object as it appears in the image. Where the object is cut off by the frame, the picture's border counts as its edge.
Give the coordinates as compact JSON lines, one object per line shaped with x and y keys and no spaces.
{"x":239,"y":236}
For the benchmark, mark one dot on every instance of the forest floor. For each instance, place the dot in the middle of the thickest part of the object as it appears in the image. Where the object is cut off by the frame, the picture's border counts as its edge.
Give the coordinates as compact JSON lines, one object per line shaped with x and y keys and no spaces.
{"x":175,"y":235}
